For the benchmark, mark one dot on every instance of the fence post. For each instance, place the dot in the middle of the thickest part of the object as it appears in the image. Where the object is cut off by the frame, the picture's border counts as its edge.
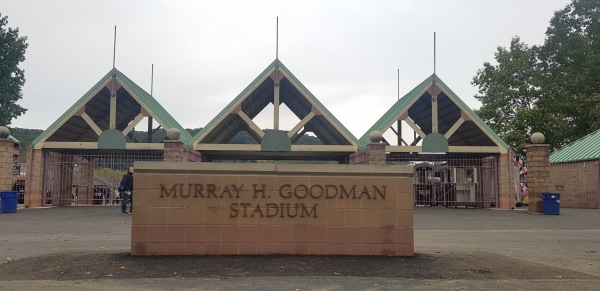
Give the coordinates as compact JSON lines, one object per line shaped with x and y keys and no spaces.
{"x":538,"y":171}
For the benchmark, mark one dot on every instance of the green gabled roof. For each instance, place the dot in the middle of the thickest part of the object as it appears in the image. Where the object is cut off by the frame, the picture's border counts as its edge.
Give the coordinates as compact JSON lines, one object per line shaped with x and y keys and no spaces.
{"x":322,"y":107}
{"x":399,"y":107}
{"x":256,"y":82}
{"x":154,"y":108}
{"x":584,"y":149}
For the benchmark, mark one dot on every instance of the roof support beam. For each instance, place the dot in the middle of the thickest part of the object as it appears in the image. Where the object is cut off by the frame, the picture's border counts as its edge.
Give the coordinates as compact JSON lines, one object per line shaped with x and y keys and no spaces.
{"x":251,"y":124}
{"x":399,"y":134}
{"x":296,"y":137}
{"x":434,"y":113}
{"x":276,"y":106}
{"x":415,"y":127}
{"x":454,"y":127}
{"x":133,"y":123}
{"x":301,"y":124}
{"x":113,"y":110}
{"x":91,"y":123}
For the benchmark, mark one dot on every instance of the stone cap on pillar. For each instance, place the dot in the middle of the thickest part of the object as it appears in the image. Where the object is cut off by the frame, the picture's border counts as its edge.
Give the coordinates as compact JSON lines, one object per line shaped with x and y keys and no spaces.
{"x":4,"y":132}
{"x":375,"y":136}
{"x":537,"y":140}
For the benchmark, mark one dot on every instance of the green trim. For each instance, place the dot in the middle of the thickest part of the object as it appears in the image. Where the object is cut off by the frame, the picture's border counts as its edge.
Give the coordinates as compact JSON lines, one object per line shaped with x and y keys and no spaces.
{"x":322,"y":107}
{"x":65,"y":116}
{"x":435,"y":142}
{"x":156,"y":110}
{"x":394,"y":112}
{"x":239,"y":98}
{"x":13,"y":139}
{"x":112,"y":139}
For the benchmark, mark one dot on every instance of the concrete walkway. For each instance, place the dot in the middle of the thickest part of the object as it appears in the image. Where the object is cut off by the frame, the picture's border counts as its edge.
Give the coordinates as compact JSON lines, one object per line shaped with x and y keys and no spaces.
{"x":550,"y":245}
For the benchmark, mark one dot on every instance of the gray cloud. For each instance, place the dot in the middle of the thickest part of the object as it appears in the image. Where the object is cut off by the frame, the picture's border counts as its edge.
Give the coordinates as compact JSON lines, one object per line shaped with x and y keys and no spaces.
{"x":206,"y":52}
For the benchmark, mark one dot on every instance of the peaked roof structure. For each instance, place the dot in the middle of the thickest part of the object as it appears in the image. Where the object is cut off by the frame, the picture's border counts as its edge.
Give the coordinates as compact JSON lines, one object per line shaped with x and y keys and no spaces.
{"x":99,"y":121}
{"x":275,"y":85}
{"x":441,"y":119}
{"x":586,"y":148}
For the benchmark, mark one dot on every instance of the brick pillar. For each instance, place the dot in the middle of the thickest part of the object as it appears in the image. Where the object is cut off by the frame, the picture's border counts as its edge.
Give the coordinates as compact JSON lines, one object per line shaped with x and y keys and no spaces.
{"x":34,"y":181}
{"x":376,"y":154}
{"x":506,"y":180}
{"x":538,"y":175}
{"x":7,"y":156}
{"x":173,"y":151}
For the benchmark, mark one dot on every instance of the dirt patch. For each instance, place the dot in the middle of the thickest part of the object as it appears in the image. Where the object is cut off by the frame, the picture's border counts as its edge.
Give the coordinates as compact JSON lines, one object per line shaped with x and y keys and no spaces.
{"x":103,"y":265}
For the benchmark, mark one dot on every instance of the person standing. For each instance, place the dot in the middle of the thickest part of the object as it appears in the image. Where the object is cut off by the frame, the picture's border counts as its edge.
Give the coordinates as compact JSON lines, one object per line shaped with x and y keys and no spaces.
{"x":127,"y":196}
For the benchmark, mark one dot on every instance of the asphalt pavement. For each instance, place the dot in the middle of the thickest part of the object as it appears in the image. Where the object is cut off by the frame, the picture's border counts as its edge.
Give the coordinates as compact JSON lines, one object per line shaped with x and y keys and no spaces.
{"x":75,"y":248}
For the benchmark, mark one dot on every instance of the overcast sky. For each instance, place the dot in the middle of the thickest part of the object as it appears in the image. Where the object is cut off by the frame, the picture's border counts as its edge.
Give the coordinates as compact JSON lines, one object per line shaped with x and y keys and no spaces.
{"x":205,"y":52}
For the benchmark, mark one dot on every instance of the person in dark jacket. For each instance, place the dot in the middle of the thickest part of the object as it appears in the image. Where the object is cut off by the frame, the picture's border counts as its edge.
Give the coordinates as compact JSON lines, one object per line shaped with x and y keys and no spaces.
{"x":127,"y":193}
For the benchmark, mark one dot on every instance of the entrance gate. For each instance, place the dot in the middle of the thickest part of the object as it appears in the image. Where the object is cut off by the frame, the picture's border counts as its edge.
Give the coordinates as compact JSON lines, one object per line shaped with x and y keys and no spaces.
{"x":88,"y":177}
{"x":452,"y":180}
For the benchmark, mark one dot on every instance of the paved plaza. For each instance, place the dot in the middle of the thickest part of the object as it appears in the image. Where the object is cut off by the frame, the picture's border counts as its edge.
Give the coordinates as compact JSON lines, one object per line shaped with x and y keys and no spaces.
{"x":74,"y":248}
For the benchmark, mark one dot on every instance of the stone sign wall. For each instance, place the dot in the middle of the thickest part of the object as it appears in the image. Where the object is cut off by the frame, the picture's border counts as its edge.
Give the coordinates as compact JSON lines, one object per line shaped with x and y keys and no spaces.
{"x":217,"y":208}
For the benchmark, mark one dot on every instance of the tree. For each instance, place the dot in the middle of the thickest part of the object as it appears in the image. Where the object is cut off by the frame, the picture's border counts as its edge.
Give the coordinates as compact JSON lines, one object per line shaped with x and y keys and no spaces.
{"x":12,"y":78}
{"x":553,"y":88}
{"x":570,"y":68}
{"x":508,"y":92}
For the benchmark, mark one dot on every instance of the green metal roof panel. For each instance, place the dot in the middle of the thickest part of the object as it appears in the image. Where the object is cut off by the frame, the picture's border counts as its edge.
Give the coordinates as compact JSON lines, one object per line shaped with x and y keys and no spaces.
{"x":145,"y":98}
{"x":584,"y":149}
{"x":392,"y":114}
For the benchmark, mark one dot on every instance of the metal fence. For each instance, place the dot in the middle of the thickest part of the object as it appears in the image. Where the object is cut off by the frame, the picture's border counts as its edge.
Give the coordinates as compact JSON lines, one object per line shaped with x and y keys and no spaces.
{"x":452,"y":180}
{"x":88,"y":177}
{"x":577,"y":182}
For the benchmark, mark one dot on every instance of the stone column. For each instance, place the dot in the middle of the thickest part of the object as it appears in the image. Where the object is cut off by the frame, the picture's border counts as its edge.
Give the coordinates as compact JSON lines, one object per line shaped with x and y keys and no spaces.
{"x":34,"y":181}
{"x":376,"y":149}
{"x":538,"y":171}
{"x":173,"y":151}
{"x":506,"y":180}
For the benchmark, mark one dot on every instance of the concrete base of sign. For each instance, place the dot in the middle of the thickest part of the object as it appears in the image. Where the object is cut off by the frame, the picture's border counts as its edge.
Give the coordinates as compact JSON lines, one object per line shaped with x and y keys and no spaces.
{"x":218,"y":208}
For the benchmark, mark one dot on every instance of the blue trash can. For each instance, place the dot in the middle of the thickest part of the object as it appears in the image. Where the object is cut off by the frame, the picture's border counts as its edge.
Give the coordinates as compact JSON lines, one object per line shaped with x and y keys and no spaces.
{"x":9,"y":201}
{"x":551,"y":203}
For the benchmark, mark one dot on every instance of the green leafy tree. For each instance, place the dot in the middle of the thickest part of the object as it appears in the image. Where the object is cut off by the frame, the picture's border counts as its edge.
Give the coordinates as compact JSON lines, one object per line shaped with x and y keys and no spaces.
{"x":553,"y":88}
{"x":508,"y":93}
{"x":12,"y":78}
{"x":570,"y":68}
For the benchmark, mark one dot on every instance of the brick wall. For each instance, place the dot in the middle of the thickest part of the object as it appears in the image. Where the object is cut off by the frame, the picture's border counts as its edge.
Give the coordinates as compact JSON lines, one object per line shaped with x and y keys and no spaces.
{"x":578,"y":184}
{"x":216,"y":208}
